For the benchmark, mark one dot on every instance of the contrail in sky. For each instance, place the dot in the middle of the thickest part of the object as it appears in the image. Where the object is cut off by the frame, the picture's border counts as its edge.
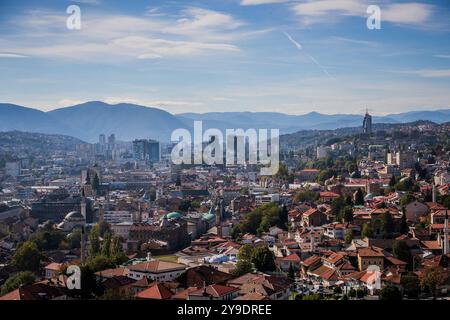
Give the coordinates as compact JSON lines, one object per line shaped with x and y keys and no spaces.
{"x":300,"y":47}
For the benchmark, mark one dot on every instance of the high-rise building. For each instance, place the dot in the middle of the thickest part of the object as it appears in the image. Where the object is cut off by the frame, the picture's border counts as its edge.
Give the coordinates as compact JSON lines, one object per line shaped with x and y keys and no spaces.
{"x":111,"y":141}
{"x":102,"y":139}
{"x":146,"y":150}
{"x":367,"y":123}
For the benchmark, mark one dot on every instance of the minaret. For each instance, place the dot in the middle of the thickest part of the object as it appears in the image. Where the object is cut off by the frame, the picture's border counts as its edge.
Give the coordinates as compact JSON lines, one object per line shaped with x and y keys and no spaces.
{"x":139,"y":218}
{"x":311,"y":237}
{"x":219,"y":218}
{"x":433,"y":195}
{"x":101,"y":213}
{"x":83,"y":228}
{"x":446,"y":244}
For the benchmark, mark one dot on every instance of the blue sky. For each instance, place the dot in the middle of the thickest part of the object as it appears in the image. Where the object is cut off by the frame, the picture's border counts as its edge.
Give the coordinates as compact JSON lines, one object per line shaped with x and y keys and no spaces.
{"x":228,"y":55}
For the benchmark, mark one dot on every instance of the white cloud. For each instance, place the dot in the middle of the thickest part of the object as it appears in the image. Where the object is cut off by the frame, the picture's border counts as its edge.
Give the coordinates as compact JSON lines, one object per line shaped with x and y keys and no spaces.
{"x":410,"y":13}
{"x":151,"y":102}
{"x":442,"y":56}
{"x":433,"y":73}
{"x":407,"y":13}
{"x":111,"y":37}
{"x":258,"y":2}
{"x":427,"y":73}
{"x":11,"y":55}
{"x":325,"y":7}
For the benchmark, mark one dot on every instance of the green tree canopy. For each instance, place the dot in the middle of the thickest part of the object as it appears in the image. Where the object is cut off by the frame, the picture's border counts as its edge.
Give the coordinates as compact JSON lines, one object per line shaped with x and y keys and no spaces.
{"x":27,"y":257}
{"x":387,"y":224}
{"x":401,"y":251}
{"x":263,"y":259}
{"x":359,"y":197}
{"x":348,"y":236}
{"x":390,"y":292}
{"x":411,"y":285}
{"x":366,"y":231}
{"x":16,"y":280}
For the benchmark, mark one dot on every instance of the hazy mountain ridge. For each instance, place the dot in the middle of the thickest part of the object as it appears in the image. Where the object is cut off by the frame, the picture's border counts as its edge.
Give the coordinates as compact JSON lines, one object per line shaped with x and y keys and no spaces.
{"x":18,"y":142}
{"x":128,"y":121}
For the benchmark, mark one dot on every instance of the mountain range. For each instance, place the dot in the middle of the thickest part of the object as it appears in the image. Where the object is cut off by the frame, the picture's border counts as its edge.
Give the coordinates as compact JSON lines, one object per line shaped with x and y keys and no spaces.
{"x":128,"y":121}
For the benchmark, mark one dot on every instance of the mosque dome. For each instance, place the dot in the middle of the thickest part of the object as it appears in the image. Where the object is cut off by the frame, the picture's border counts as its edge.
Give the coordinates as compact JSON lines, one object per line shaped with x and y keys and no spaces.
{"x":173,"y":215}
{"x":208,"y":216}
{"x":73,"y":215}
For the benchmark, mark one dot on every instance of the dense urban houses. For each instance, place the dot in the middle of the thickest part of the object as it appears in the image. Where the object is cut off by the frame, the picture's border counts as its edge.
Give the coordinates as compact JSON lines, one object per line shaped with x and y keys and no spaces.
{"x":347,"y":215}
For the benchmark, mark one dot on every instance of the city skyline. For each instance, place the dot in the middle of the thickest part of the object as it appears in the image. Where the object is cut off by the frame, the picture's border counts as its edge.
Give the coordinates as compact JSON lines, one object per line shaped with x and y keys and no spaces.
{"x":292,"y":57}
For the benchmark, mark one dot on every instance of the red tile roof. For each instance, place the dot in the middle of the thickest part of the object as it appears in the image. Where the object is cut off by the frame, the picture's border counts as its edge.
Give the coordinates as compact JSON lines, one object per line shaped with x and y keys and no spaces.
{"x":157,"y":292}
{"x":292,"y":257}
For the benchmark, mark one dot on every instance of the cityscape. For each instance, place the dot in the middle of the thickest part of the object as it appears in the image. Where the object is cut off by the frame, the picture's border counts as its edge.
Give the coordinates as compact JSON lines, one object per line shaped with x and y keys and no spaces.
{"x":108,"y":199}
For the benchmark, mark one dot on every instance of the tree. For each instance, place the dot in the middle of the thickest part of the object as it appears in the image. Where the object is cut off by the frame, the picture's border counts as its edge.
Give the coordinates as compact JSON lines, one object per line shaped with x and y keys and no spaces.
{"x":27,"y":257}
{"x":94,"y":241}
{"x":245,"y":252}
{"x":261,"y":219}
{"x":401,"y":251}
{"x":390,"y":292}
{"x":99,"y":262}
{"x":283,"y":221}
{"x":152,"y":193}
{"x":432,"y":279}
{"x":306,"y":196}
{"x":291,"y":272}
{"x":47,"y":238}
{"x":403,"y":224}
{"x":359,"y":197}
{"x":348,"y":201}
{"x":103,"y":228}
{"x":337,"y":290}
{"x":407,"y":199}
{"x":336,"y":206}
{"x":348,"y":236}
{"x":16,"y":280}
{"x":411,"y":285}
{"x":106,"y":248}
{"x":352,"y":293}
{"x":115,"y":294}
{"x":74,"y":239}
{"x":236,"y":231}
{"x":366,"y":231}
{"x":325,"y":175}
{"x":283,"y":172}
{"x":392,"y":182}
{"x":263,"y":259}
{"x":387,"y":224}
{"x":314,"y":296}
{"x":242,"y":267}
{"x":360,"y":293}
{"x":347,"y":214}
